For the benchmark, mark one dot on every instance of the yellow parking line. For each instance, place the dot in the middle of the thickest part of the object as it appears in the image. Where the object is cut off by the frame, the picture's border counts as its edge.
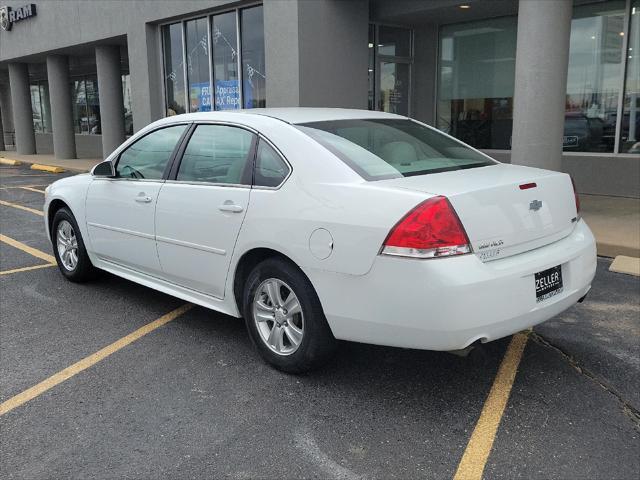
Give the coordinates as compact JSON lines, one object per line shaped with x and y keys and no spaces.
{"x":27,"y":249}
{"x":31,"y":189}
{"x":23,"y":186}
{"x":22,"y":207}
{"x":479,"y":447}
{"x":87,"y":362}
{"x":26,"y":269}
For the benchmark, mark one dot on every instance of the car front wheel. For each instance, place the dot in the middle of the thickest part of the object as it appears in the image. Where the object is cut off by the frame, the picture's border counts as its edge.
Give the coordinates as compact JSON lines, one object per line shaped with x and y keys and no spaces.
{"x":68,"y":246}
{"x":285,"y":319}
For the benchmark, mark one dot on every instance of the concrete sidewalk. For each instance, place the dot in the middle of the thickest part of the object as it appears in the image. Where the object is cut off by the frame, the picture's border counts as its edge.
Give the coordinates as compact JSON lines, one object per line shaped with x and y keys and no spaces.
{"x":615,"y":221}
{"x":73,"y":165}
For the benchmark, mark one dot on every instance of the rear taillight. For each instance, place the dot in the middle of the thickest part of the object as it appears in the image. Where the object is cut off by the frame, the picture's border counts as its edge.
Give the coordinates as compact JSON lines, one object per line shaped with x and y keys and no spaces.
{"x":430,"y":230}
{"x":575,"y":194}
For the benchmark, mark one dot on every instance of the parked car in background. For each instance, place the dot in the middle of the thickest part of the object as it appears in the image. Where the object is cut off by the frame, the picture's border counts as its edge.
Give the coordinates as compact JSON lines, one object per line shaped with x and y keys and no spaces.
{"x":324,"y":224}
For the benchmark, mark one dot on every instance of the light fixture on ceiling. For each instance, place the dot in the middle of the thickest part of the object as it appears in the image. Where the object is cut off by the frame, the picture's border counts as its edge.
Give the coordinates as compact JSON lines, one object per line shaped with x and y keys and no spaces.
{"x":464,"y":7}
{"x":622,"y":34}
{"x":371,"y":45}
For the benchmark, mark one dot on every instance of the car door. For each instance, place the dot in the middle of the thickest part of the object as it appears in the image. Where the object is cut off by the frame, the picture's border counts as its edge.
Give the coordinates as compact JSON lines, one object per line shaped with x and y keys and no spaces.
{"x":120,"y":210}
{"x":202,"y":206}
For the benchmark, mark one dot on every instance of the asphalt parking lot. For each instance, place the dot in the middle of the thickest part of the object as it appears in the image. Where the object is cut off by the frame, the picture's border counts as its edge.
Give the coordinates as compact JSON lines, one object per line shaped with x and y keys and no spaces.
{"x":188,"y":397}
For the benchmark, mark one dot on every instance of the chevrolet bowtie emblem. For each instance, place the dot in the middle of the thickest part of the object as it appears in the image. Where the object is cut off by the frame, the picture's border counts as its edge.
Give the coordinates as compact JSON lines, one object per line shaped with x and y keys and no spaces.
{"x":535,"y":205}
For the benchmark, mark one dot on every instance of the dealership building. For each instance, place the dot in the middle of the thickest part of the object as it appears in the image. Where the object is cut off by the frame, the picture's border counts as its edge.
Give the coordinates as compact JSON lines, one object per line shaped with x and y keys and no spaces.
{"x":549,"y":83}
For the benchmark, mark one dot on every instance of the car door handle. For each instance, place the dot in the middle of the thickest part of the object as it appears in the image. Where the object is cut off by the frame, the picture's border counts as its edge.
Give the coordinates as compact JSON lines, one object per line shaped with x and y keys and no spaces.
{"x":229,"y":206}
{"x":143,"y":199}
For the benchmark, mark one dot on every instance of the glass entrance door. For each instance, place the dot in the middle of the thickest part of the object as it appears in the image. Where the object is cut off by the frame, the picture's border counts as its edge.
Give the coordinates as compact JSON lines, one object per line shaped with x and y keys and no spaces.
{"x":390,"y":58}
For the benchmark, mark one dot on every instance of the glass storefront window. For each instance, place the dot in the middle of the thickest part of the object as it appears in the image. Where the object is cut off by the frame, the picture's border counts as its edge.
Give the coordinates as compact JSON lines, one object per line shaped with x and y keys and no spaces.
{"x":174,"y":69}
{"x":45,"y":107}
{"x":40,"y":108}
{"x":630,"y":128}
{"x":477,"y":74}
{"x":128,"y":108}
{"x":86,"y":105}
{"x":199,"y":87}
{"x":224,"y":43}
{"x":36,"y":111}
{"x":79,"y":103}
{"x":477,"y":71}
{"x":236,"y":62}
{"x":593,"y":80}
{"x":93,"y":105}
{"x":253,"y":67}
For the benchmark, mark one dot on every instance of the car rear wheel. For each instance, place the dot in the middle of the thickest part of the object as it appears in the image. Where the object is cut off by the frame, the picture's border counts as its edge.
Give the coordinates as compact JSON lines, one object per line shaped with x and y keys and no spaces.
{"x":68,"y":246}
{"x":284,"y":317}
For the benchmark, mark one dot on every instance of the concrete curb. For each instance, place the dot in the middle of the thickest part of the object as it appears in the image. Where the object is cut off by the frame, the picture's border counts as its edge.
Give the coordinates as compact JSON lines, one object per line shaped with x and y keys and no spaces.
{"x":10,"y":161}
{"x":47,"y":168}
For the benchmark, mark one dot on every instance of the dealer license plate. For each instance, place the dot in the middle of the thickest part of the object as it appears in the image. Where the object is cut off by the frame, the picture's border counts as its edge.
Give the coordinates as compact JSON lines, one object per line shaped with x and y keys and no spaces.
{"x":548,"y":283}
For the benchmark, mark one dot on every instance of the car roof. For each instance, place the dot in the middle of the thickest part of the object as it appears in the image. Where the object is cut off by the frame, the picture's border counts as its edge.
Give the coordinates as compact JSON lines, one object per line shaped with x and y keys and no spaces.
{"x":296,"y":115}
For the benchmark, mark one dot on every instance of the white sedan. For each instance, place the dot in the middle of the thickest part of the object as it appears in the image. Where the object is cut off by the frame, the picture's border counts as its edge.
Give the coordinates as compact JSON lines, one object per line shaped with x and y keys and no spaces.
{"x":324,"y":224}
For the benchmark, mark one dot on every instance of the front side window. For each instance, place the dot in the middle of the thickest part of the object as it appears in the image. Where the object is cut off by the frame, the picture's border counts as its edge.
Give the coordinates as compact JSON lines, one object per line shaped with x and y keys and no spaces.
{"x":216,"y":154}
{"x":381,"y":149}
{"x":148,"y":157}
{"x":271,"y":169}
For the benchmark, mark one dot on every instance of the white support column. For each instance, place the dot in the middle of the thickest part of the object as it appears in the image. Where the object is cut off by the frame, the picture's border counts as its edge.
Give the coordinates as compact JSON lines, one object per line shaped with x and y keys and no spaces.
{"x":542,"y":59}
{"x":110,"y":95}
{"x":64,"y":139}
{"x":21,"y":107}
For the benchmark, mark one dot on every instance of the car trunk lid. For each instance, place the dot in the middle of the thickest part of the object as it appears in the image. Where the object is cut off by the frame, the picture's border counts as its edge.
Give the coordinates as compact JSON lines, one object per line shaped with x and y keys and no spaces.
{"x":505,"y":209}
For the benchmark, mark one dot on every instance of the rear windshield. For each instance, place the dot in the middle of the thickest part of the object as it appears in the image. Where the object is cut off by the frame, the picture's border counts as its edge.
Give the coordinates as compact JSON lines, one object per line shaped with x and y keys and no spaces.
{"x":378,"y":149}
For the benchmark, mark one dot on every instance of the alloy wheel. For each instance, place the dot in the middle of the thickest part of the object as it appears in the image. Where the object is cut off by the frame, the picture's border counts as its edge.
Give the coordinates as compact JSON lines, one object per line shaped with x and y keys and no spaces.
{"x":67,"y":244}
{"x":278,"y":316}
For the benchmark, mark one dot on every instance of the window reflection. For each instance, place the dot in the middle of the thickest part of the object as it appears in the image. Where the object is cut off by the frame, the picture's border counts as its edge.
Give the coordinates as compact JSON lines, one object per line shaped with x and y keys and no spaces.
{"x":237,"y":62}
{"x":394,"y":87}
{"x":225,"y":61}
{"x":174,"y":69}
{"x":630,"y":128}
{"x":593,"y":81}
{"x":198,"y":66}
{"x":477,"y":71}
{"x":253,"y":68}
{"x":126,"y":99}
{"x":86,"y":105}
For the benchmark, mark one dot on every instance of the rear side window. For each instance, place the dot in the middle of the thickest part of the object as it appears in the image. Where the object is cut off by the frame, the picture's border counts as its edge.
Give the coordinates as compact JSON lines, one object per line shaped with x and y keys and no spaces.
{"x":147,"y":158}
{"x":388,"y":148}
{"x":216,"y":154}
{"x":271,"y":169}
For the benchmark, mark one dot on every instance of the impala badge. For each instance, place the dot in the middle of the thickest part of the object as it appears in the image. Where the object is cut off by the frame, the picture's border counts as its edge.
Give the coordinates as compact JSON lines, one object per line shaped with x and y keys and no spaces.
{"x":535,"y":205}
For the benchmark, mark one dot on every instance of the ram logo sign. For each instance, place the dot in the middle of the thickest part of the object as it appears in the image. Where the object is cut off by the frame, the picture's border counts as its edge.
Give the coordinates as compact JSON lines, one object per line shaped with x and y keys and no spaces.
{"x":9,"y":16}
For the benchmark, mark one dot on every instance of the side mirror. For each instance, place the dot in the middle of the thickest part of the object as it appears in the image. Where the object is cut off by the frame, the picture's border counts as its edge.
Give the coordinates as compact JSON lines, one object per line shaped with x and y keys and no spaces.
{"x":104,"y":169}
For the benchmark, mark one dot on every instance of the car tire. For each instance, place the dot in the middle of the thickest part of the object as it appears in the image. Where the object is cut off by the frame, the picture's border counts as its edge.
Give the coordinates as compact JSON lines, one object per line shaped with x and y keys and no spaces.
{"x":274,"y":330}
{"x":73,"y":262}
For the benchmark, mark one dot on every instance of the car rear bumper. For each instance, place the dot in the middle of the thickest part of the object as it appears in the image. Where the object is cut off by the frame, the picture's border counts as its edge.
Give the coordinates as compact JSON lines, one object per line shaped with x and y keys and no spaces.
{"x":449,"y":303}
